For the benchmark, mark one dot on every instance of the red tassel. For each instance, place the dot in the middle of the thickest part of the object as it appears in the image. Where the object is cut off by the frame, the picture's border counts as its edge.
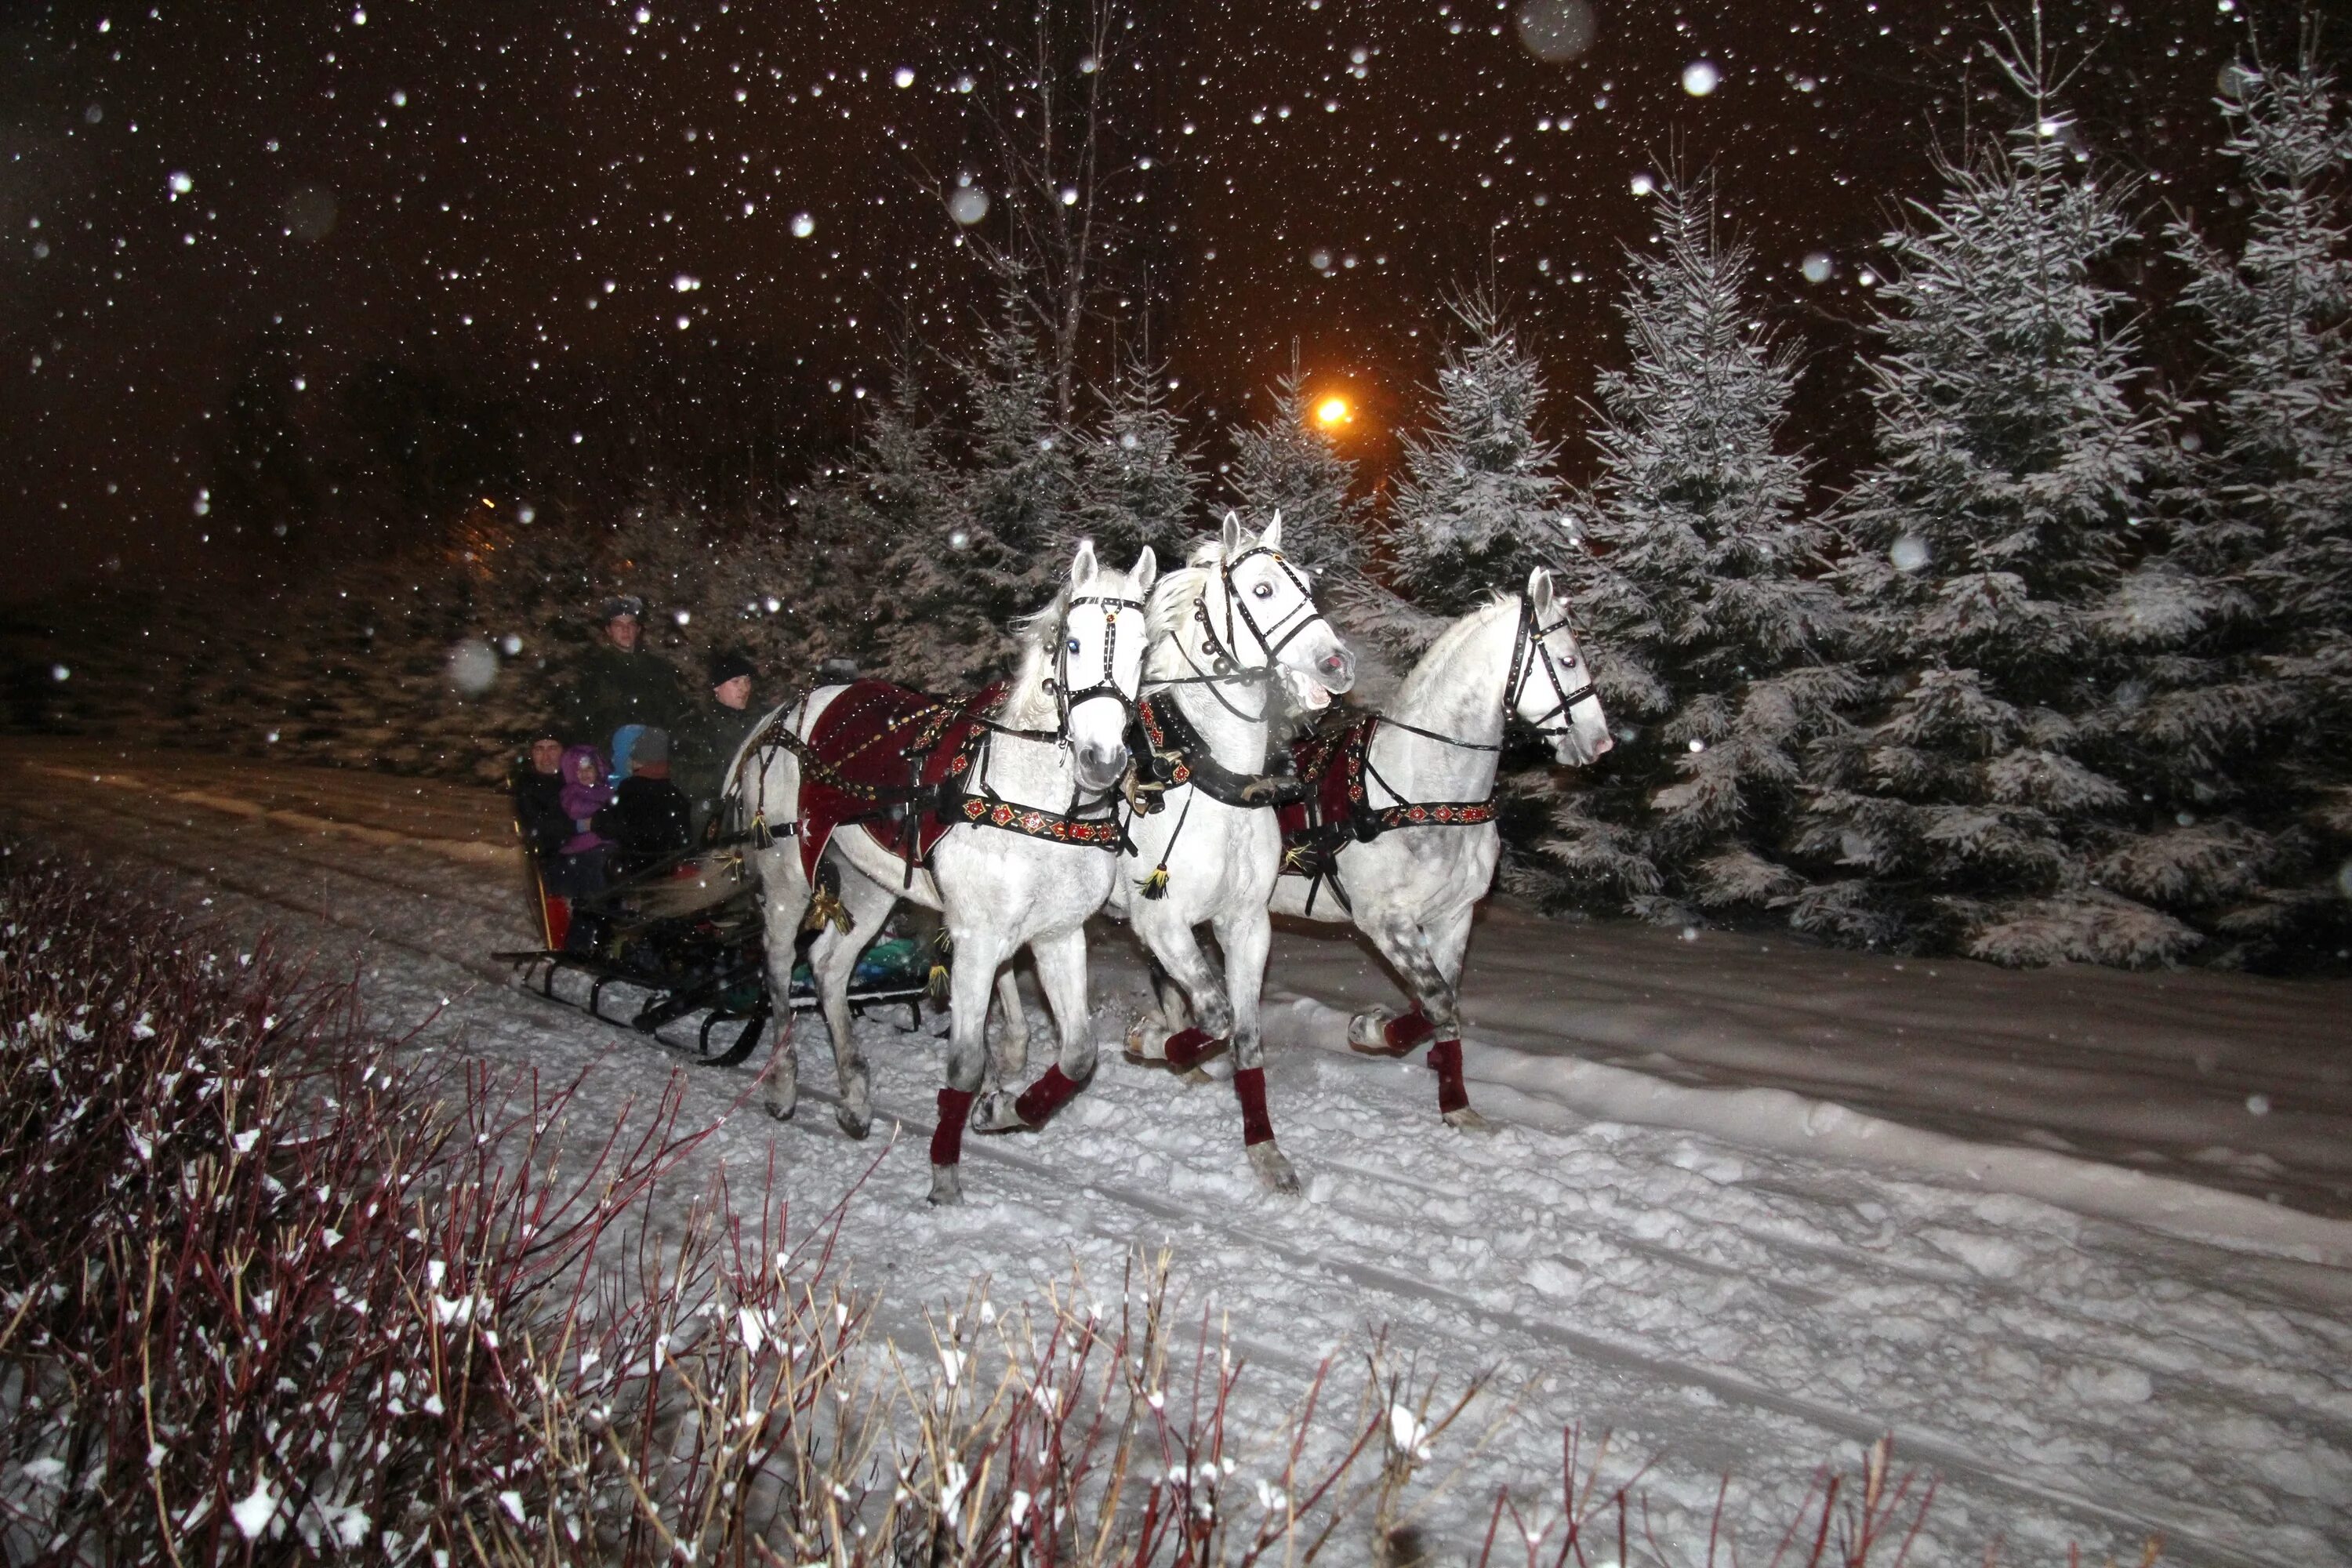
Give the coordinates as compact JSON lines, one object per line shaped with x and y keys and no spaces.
{"x":1401,"y":1033}
{"x":558,"y":911}
{"x":1040,"y":1099}
{"x":1445,"y":1057}
{"x":1249,"y":1088}
{"x":1190,"y":1048}
{"x":947,"y":1138}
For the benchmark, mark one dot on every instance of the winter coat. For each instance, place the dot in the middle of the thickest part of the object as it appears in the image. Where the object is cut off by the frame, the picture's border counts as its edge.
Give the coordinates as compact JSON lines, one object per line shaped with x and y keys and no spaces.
{"x":702,"y":746}
{"x":647,"y":821}
{"x":611,"y":688}
{"x":582,"y":802}
{"x":539,"y":811}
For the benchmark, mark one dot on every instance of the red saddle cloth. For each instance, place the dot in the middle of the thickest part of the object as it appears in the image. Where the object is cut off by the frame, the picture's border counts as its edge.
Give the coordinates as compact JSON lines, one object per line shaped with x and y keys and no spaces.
{"x":880,"y":756}
{"x":1332,"y":761}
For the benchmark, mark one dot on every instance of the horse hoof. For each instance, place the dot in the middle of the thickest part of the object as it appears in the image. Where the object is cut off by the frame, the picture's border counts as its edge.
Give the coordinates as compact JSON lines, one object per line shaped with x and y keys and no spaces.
{"x":1145,"y":1046}
{"x":782,"y":1110}
{"x":1273,"y":1167}
{"x":947,"y":1187}
{"x":857,"y":1125}
{"x":995,"y":1112}
{"x":1468,"y":1121}
{"x":1195,"y":1075}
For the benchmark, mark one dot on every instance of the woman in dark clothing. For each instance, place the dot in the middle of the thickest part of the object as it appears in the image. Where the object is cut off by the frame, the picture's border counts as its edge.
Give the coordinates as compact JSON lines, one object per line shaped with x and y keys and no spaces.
{"x":648,"y":816}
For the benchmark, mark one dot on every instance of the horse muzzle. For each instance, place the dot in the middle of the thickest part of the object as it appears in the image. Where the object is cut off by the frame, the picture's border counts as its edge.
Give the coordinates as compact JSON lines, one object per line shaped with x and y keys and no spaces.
{"x":1099,"y":767}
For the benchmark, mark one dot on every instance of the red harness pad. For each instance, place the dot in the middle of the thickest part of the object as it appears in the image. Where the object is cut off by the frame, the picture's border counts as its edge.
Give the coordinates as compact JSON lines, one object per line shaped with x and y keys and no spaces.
{"x":1333,"y":761}
{"x":871,"y":756}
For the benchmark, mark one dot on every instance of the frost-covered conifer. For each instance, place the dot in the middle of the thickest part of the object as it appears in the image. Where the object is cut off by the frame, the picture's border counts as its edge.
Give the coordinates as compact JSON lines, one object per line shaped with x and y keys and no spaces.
{"x":2237,"y":730}
{"x":1698,"y":582}
{"x":1282,"y":465}
{"x":1982,"y":547}
{"x":960,"y":573}
{"x":1480,"y":503}
{"x":1135,"y":480}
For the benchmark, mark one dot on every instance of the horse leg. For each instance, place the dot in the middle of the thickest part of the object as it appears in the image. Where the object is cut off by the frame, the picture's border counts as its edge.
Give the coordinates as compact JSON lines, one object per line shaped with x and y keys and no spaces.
{"x":1429,"y":961}
{"x":1180,"y":955}
{"x":833,"y":961}
{"x":1449,"y":939}
{"x":1061,"y":972}
{"x":978,"y":954}
{"x":784,"y":900}
{"x":1010,"y":1056}
{"x":1246,"y":935}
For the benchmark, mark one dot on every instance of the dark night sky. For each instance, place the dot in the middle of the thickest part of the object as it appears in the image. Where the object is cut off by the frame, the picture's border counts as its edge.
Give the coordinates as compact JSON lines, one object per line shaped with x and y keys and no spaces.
{"x":509,"y":192}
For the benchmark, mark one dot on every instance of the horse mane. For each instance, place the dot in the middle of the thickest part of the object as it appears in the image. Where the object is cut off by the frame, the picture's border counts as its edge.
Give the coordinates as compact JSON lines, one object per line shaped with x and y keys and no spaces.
{"x":1449,"y":643}
{"x":1180,"y":588}
{"x":1026,"y":705}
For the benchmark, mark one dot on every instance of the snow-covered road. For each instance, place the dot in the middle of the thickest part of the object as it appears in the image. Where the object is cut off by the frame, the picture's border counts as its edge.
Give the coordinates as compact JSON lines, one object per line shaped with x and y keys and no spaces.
{"x":1753,"y":1204}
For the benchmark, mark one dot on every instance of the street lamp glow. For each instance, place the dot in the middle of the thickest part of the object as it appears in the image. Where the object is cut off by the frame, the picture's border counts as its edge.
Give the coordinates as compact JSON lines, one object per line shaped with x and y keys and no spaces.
{"x":1331,"y":413}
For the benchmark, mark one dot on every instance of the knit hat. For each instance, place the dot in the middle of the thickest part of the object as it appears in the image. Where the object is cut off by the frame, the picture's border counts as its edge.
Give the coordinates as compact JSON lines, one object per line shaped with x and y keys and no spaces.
{"x":727,"y":667}
{"x":653,"y":746}
{"x":623,"y":605}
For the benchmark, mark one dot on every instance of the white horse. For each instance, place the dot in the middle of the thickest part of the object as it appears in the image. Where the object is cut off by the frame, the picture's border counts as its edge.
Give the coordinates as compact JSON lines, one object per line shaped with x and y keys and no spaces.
{"x":1235,"y":623}
{"x":1407,"y":843}
{"x":1028,"y":854}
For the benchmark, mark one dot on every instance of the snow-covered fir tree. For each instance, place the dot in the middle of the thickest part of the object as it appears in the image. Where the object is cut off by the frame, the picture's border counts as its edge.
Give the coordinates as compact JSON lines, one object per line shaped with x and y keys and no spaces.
{"x":1709,"y":628}
{"x":1281,"y":464}
{"x":2237,"y":731}
{"x":1481,"y":502}
{"x":1961,"y":810}
{"x":1136,"y":479}
{"x":960,"y":572}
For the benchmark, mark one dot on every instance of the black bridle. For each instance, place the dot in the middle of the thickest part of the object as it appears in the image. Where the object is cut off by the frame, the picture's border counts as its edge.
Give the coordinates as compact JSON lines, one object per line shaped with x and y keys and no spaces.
{"x":1067,"y":695}
{"x":1531,"y":651}
{"x":1225,"y":666}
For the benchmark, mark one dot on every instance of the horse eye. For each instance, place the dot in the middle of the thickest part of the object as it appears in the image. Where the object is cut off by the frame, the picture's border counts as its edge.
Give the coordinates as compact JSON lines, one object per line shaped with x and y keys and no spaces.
{"x":1264,"y":590}
{"x":1074,"y":645}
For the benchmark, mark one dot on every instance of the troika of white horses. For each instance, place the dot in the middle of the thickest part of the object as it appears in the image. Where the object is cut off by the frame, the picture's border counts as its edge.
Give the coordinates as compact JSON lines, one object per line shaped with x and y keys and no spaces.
{"x":1125,"y":767}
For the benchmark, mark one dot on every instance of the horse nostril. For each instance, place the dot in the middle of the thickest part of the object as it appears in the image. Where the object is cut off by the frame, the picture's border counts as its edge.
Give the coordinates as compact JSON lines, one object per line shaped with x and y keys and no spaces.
{"x":1606,"y":742}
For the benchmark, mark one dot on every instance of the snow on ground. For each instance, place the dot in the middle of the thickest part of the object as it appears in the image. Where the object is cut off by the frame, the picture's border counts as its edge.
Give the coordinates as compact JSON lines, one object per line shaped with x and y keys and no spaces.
{"x":1753,"y":1204}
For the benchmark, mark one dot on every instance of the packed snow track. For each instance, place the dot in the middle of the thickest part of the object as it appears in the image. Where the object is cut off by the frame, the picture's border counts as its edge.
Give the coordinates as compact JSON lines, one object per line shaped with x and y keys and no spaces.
{"x":1748,"y":1210}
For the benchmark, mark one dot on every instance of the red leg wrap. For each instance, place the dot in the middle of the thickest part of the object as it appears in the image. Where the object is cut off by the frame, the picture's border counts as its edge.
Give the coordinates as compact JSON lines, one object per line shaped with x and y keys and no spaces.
{"x":1402,"y":1032}
{"x":1249,"y":1088}
{"x":1445,"y":1057}
{"x":1048,"y":1095}
{"x":947,"y":1138}
{"x":1190,"y":1048}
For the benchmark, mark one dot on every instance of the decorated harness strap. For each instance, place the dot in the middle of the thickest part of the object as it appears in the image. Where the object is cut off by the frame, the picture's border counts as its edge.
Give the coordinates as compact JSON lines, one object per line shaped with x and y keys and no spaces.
{"x":1322,"y":824}
{"x":1174,"y":754}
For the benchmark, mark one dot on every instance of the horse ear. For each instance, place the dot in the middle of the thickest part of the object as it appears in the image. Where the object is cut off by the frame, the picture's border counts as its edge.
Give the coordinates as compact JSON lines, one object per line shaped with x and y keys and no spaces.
{"x":1083,"y":567}
{"x":1541,"y":593}
{"x":1232,"y":535}
{"x":1272,"y":538}
{"x":1147,"y":570}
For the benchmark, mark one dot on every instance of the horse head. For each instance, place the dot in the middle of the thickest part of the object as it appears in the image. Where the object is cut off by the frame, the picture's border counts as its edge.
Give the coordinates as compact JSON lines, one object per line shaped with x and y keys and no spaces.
{"x":1552,"y":685}
{"x":1262,"y":610}
{"x":1097,"y":658}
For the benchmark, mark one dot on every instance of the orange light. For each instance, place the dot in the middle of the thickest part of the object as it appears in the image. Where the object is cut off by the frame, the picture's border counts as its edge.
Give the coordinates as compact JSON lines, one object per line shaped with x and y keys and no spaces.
{"x":1332,"y":412}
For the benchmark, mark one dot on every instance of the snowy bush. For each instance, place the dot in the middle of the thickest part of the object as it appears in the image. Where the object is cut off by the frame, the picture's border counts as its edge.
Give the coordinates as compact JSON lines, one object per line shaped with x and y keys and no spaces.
{"x":1965,"y":808}
{"x":1698,"y":577}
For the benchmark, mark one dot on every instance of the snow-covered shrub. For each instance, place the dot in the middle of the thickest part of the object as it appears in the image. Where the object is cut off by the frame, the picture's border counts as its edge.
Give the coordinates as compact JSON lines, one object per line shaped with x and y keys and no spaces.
{"x":1965,"y":808}
{"x":1481,"y":502}
{"x":1711,"y":637}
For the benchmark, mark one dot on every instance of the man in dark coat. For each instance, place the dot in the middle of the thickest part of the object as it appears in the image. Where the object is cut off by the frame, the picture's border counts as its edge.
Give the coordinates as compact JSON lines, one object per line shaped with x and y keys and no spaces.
{"x":706,"y":740}
{"x":618,"y":683}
